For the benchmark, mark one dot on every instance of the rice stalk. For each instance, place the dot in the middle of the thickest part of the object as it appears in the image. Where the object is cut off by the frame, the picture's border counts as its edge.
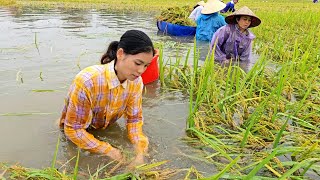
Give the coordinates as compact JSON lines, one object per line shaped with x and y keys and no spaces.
{"x":222,"y":172}
{"x":76,"y":167}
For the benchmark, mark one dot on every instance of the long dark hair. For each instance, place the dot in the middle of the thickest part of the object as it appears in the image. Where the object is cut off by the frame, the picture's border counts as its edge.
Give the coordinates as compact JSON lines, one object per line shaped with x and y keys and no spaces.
{"x":132,"y":42}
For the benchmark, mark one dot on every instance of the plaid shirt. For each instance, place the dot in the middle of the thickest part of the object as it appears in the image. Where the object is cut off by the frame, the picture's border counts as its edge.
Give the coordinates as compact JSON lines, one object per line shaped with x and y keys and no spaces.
{"x":96,"y":98}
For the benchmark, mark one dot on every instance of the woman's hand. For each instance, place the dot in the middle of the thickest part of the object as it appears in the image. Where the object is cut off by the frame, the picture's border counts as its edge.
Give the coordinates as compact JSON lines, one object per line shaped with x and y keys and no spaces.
{"x":138,"y":160}
{"x":156,"y":52}
{"x":115,"y":154}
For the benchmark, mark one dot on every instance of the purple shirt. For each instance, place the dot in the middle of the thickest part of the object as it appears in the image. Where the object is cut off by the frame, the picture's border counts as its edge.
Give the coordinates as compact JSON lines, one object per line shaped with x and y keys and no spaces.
{"x":231,"y":43}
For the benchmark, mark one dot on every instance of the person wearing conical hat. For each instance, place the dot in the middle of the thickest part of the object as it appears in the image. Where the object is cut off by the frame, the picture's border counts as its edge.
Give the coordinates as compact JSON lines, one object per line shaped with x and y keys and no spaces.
{"x":210,"y":20}
{"x":197,"y":10}
{"x":234,"y":40}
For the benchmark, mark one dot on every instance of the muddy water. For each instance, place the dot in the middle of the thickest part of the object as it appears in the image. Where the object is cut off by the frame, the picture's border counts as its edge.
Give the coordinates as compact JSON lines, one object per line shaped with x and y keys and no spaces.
{"x":43,"y":50}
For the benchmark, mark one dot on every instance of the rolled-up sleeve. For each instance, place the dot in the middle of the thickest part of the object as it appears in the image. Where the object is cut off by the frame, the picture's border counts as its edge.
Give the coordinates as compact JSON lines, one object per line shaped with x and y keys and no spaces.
{"x":78,"y":117}
{"x":135,"y":119}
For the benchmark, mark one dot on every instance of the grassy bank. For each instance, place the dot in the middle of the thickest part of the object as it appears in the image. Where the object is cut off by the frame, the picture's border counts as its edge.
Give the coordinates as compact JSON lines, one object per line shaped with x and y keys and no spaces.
{"x":119,"y":5}
{"x":149,"y":5}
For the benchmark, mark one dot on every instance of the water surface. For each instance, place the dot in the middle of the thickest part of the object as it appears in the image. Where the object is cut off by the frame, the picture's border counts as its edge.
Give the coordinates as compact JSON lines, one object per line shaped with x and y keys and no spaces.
{"x":43,"y":49}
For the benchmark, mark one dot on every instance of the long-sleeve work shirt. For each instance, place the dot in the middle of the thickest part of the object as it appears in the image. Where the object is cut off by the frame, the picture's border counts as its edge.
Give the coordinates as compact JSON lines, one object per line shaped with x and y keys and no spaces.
{"x":231,"y":43}
{"x":96,"y":98}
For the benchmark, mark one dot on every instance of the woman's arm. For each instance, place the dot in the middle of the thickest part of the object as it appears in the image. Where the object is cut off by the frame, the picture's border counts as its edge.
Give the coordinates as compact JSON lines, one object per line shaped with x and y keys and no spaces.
{"x":135,"y":119}
{"x":218,"y":39}
{"x":193,"y":15}
{"x":78,"y":118}
{"x":226,"y":9}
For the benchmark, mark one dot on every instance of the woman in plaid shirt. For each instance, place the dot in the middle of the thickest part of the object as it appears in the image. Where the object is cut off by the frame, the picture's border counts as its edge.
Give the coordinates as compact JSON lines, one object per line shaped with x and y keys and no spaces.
{"x":101,"y":94}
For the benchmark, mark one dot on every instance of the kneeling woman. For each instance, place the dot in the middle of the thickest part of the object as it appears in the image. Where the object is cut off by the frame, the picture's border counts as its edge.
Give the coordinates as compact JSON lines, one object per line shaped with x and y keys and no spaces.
{"x":234,"y":40}
{"x":101,"y":94}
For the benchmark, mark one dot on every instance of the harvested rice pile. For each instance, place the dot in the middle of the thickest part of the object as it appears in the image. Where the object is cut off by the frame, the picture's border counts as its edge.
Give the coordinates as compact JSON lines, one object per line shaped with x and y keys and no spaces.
{"x":177,"y":15}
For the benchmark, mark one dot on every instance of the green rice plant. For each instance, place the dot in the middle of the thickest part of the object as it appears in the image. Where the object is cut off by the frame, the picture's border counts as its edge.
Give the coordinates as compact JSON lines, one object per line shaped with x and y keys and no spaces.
{"x":211,"y":143}
{"x":300,"y":122}
{"x":145,"y":171}
{"x":161,"y":66}
{"x":275,"y":92}
{"x":193,"y":171}
{"x":186,"y":60}
{"x":222,"y":172}
{"x":99,"y":170}
{"x":254,"y":171}
{"x":284,"y":72}
{"x":18,"y":172}
{"x":55,"y":154}
{"x":202,"y":84}
{"x":309,"y":151}
{"x":277,"y":139}
{"x":190,"y":121}
{"x":145,"y":167}
{"x":36,"y":42}
{"x":230,"y":176}
{"x":308,"y":167}
{"x":306,"y":163}
{"x":121,"y":177}
{"x":228,"y":80}
{"x":301,"y":103}
{"x":76,"y":168}
{"x":253,"y":118}
{"x":253,"y":75}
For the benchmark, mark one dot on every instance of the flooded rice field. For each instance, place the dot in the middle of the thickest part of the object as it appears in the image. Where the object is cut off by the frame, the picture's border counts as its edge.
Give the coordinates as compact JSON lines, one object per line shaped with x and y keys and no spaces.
{"x":41,"y":51}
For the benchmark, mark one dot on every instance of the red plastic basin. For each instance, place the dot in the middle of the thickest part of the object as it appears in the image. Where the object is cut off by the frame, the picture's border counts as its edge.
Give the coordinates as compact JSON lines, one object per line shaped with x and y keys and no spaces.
{"x":152,"y":72}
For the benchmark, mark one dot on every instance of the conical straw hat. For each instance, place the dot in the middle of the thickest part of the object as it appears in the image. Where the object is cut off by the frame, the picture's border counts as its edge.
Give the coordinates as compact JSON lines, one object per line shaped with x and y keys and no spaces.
{"x":213,"y":6}
{"x":244,"y":11}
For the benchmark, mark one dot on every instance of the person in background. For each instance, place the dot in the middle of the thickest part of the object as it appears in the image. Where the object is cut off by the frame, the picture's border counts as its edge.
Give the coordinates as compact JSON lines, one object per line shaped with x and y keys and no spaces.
{"x":196,"y":12}
{"x":100,"y":94}
{"x":234,"y":41}
{"x":229,"y":6}
{"x":210,"y":20}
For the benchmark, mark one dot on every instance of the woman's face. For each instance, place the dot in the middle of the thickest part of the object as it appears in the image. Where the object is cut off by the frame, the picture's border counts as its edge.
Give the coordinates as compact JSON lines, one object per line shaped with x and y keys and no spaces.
{"x":244,"y":22}
{"x":132,"y":66}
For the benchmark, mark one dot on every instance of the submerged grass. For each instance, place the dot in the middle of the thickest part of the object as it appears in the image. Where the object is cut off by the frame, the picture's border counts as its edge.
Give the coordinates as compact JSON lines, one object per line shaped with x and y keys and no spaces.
{"x":145,"y":171}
